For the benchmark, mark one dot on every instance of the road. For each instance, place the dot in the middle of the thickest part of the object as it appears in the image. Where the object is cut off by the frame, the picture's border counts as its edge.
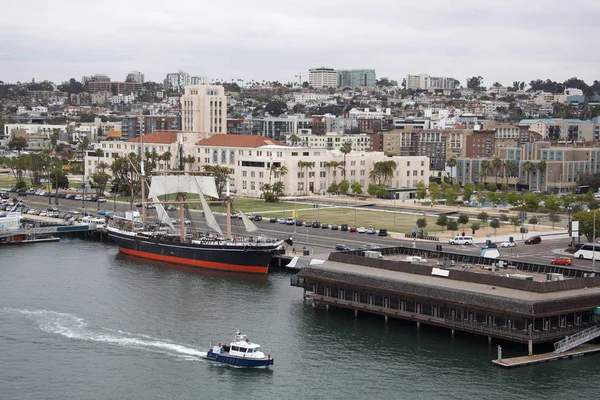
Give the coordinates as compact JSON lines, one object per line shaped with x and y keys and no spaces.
{"x":322,"y":240}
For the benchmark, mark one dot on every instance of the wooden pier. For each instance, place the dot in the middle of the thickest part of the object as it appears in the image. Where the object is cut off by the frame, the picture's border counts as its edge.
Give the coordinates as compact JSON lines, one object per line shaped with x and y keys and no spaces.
{"x":546,"y":357}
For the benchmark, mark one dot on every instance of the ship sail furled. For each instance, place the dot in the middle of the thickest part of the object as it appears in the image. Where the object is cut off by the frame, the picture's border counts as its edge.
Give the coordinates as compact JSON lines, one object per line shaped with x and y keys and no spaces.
{"x":168,"y":184}
{"x":163,"y":217}
{"x":210,"y":218}
{"x":249,"y":225}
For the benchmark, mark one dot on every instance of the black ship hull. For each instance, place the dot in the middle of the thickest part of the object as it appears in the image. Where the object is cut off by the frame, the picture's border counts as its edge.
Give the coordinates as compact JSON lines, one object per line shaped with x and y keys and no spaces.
{"x":218,"y":255}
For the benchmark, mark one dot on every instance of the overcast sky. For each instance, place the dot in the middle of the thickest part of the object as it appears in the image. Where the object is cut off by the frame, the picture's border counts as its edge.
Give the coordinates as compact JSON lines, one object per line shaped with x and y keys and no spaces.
{"x":503,"y":40}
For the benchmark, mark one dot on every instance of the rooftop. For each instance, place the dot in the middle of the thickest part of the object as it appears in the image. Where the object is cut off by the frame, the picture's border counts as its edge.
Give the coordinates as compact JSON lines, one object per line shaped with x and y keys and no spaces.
{"x":229,"y":140}
{"x":157,"y":137}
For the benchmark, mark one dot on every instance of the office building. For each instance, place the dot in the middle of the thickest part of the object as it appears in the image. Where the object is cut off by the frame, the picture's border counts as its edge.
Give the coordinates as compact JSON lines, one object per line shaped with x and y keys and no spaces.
{"x":356,"y":77}
{"x":322,"y":77}
{"x":204,"y":109}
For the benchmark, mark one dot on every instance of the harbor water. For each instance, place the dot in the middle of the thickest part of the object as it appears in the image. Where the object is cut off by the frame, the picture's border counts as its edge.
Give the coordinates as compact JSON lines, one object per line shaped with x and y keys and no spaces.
{"x":80,"y":321}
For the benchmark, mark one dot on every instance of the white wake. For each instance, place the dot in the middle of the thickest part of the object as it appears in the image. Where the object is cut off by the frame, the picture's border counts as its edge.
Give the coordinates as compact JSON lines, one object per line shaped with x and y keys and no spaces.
{"x":73,"y":327}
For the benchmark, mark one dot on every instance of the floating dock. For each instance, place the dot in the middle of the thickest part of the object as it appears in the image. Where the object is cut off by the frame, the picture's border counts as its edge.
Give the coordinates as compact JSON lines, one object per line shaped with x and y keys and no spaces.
{"x":546,"y":357}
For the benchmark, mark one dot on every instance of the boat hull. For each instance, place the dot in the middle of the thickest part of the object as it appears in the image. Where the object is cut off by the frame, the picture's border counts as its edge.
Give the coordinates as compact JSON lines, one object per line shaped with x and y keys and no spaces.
{"x":217,"y":256}
{"x":240,"y":362}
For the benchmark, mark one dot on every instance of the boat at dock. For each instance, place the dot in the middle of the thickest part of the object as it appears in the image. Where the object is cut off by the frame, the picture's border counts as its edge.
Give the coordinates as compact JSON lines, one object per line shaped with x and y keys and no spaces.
{"x":240,"y":352}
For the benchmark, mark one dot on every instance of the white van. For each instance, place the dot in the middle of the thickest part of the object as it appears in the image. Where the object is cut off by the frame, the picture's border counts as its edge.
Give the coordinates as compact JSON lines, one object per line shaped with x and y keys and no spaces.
{"x":461,"y":240}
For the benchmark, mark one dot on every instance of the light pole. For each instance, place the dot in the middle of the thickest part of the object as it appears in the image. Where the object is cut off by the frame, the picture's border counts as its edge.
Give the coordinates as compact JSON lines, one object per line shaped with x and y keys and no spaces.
{"x":295,"y":213}
{"x":394,"y":206}
{"x":594,"y":244}
{"x":354,"y":210}
{"x":49,"y":188}
{"x":569,"y":209}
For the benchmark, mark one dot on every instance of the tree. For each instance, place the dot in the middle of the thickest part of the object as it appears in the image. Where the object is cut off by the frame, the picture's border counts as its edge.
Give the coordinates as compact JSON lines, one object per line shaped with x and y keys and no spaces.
{"x":346,"y":148}
{"x":421,"y":190}
{"x":442,"y":221}
{"x":497,"y":165}
{"x":533,"y":221}
{"x":221,"y":175}
{"x":383,"y":171}
{"x":491,"y":187}
{"x":495,"y":224}
{"x":463,"y":219}
{"x":484,"y":169}
{"x":554,"y":218}
{"x":17,"y":143}
{"x":452,"y":164}
{"x":452,"y":225}
{"x":515,"y":221}
{"x":553,"y":203}
{"x":467,"y":191}
{"x":483,"y":216}
{"x":542,"y":166}
{"x":333,"y":188}
{"x":456,"y":187}
{"x":305,"y":165}
{"x":528,"y":166}
{"x":474,"y":83}
{"x":586,"y":224}
{"x":481,"y":187}
{"x":356,"y":188}
{"x":475,"y":227}
{"x":294,"y":139}
{"x":330,"y":165}
{"x":100,"y":180}
{"x":344,"y":186}
{"x":434,"y":191}
{"x":444,"y":187}
{"x":451,"y":196}
{"x":272,"y":193}
{"x":276,"y":108}
{"x":422,"y":223}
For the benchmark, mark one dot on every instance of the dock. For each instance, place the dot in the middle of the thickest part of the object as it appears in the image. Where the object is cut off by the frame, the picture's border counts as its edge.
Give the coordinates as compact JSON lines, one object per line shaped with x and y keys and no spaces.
{"x":579,"y":351}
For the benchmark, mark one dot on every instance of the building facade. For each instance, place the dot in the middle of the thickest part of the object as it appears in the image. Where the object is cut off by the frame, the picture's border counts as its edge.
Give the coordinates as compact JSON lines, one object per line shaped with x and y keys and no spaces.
{"x":426,"y":82}
{"x":204,"y":109}
{"x":322,"y":77}
{"x":177,"y":81}
{"x":356,"y":77}
{"x":135,"y":76}
{"x":133,"y":126}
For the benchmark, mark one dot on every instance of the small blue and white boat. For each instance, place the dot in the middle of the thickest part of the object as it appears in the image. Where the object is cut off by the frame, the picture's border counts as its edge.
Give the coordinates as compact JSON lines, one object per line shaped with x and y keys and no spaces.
{"x":240,"y":353}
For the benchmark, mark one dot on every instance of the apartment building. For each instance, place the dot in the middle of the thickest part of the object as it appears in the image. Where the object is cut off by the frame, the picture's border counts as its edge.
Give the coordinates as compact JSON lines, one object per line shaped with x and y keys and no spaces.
{"x":177,"y":81}
{"x":277,"y":127}
{"x":480,"y":144}
{"x":322,"y":77}
{"x":356,"y":77}
{"x":563,"y":166}
{"x":426,"y":82}
{"x":562,"y":130}
{"x":135,"y":76}
{"x":251,"y":157}
{"x":118,"y":88}
{"x":331,"y":140}
{"x":204,"y":109}
{"x":133,"y":126}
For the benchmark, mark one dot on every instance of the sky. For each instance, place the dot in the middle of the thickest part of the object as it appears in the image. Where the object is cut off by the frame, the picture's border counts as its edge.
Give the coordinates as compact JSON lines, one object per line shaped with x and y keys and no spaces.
{"x":500,"y":40}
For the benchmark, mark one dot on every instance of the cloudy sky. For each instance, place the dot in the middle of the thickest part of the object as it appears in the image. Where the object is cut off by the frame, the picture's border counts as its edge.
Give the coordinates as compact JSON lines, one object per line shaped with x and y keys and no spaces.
{"x":501,"y":40}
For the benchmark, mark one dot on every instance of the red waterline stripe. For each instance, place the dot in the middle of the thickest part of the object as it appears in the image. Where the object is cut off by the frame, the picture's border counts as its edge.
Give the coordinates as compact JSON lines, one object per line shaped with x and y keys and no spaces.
{"x":197,"y":263}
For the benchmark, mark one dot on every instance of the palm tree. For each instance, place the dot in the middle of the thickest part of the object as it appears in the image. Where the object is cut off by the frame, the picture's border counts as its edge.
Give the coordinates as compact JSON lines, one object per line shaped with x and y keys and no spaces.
{"x":294,"y":139}
{"x":283,"y":171}
{"x":330,"y":165}
{"x":497,"y":164}
{"x":307,"y":165}
{"x":452,"y":163}
{"x":508,"y":169}
{"x":484,"y":168}
{"x":345,"y":149}
{"x":528,"y":166}
{"x":166,"y":157}
{"x":542,"y":166}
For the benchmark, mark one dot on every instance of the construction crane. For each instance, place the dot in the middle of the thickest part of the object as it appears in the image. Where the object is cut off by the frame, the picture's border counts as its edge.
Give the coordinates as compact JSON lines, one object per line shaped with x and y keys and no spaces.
{"x":299,"y":76}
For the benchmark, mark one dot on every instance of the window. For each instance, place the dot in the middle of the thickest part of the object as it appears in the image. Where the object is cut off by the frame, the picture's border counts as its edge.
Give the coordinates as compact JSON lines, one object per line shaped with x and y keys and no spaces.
{"x":261,"y":175}
{"x":252,"y":174}
{"x":408,"y":163}
{"x":243,"y":184}
{"x":223,"y":156}
{"x":252,"y":185}
{"x":407,"y":173}
{"x":232,"y":157}
{"x":244,"y":174}
{"x":215,"y":157}
{"x":294,"y":154}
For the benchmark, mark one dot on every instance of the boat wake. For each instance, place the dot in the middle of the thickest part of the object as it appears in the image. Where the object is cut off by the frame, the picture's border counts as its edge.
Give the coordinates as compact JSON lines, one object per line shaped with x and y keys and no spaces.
{"x":73,"y":327}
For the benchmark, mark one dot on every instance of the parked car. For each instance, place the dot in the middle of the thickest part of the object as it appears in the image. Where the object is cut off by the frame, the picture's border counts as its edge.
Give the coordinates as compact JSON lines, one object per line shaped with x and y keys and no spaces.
{"x":299,"y":222}
{"x":383,"y":232}
{"x":334,"y":227}
{"x":138,"y":204}
{"x":508,"y":244}
{"x":342,"y":247}
{"x":282,"y":221}
{"x":370,"y":246}
{"x":370,"y":230}
{"x":80,"y":197}
{"x":290,"y":221}
{"x":324,"y":225}
{"x":344,"y":227}
{"x":73,"y":211}
{"x":170,"y":207}
{"x":533,"y":240}
{"x":101,"y":200}
{"x":562,"y":261}
{"x":150,"y":206}
{"x":352,"y":229}
{"x":362,"y":229}
{"x":258,"y":217}
{"x":102,"y":212}
{"x":316,"y":224}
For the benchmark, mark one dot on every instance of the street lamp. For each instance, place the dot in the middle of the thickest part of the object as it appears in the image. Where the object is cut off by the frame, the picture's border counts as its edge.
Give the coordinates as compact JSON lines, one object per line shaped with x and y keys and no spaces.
{"x":569,"y":209}
{"x":49,"y":188}
{"x":354,"y":210}
{"x":394,"y":207}
{"x":594,"y":244}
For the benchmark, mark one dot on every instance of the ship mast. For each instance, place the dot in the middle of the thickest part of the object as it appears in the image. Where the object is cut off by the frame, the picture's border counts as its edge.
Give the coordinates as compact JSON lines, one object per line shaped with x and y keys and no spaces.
{"x":228,"y":202}
{"x":143,"y":178}
{"x":180,"y":195}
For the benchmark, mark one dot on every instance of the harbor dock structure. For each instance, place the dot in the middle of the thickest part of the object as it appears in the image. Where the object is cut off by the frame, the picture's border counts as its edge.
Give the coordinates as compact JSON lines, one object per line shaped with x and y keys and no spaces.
{"x":514,"y":303}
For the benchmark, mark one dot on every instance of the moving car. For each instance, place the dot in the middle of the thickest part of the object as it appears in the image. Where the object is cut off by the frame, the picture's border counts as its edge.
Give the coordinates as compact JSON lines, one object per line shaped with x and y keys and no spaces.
{"x":342,"y":247}
{"x":362,"y":229}
{"x":383,"y":232}
{"x":562,"y":261}
{"x":508,"y":244}
{"x":461,"y":240}
{"x":533,"y":240}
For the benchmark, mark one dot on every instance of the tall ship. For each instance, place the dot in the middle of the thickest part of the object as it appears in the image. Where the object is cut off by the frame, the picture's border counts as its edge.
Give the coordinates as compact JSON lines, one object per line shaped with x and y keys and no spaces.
{"x":185,"y":245}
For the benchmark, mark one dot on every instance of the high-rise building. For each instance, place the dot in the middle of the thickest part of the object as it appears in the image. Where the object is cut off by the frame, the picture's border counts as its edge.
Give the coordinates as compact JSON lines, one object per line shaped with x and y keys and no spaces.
{"x":204,"y":109}
{"x":322,"y":77}
{"x":177,"y":81}
{"x":135,"y":76}
{"x":356,"y":77}
{"x":197,"y":80}
{"x":426,"y":82}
